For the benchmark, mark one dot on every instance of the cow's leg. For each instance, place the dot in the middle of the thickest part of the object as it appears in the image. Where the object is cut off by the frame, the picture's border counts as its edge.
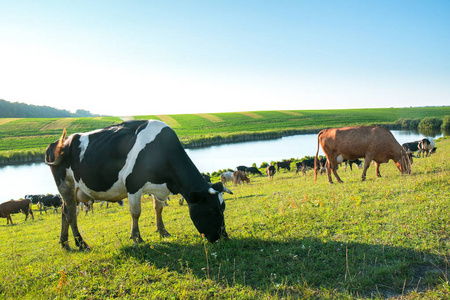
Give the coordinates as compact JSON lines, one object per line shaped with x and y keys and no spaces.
{"x":134,"y":201}
{"x":69,"y":218}
{"x":377,"y":171}
{"x":367,"y":161}
{"x":8,"y":219}
{"x":31,"y":213}
{"x":328,"y":167}
{"x":334,"y":169}
{"x":158,"y":205}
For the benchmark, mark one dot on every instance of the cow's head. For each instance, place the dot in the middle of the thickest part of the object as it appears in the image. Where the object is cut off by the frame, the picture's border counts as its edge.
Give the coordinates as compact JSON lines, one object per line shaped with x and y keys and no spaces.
{"x":206,"y":210}
{"x":404,"y":163}
{"x":54,"y":152}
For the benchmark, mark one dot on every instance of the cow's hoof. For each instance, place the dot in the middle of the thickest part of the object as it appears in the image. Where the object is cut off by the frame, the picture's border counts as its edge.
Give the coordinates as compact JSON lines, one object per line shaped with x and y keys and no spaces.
{"x":65,"y":246}
{"x":163,"y":233}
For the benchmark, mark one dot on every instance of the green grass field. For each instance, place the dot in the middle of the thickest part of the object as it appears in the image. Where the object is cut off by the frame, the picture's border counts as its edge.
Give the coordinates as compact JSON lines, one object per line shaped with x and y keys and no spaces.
{"x":291,"y":238}
{"x":18,"y":135}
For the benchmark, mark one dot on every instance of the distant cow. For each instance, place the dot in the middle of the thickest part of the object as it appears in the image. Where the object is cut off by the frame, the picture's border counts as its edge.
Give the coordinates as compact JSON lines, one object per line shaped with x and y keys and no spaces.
{"x":240,"y":177}
{"x":240,"y":168}
{"x":348,"y":162}
{"x":411,"y":146}
{"x":128,"y":160}
{"x":426,"y":146}
{"x":15,"y":206}
{"x":368,"y":142}
{"x":304,"y":165}
{"x":34,"y":198}
{"x":50,"y":200}
{"x":226,"y":177}
{"x":284,"y":165}
{"x":270,"y":171}
{"x":252,"y":170}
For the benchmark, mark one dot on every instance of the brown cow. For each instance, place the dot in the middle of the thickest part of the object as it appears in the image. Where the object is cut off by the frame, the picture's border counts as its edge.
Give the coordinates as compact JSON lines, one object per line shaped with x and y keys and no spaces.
{"x":239,"y":177}
{"x":368,"y":142}
{"x":15,"y":206}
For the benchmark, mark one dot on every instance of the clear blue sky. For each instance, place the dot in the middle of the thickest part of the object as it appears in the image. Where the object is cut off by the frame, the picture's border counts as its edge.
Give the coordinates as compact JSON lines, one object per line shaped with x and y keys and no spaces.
{"x":167,"y":57}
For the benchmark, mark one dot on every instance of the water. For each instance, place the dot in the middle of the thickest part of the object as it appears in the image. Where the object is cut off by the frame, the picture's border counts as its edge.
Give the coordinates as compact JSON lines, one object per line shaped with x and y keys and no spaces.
{"x":18,"y":181}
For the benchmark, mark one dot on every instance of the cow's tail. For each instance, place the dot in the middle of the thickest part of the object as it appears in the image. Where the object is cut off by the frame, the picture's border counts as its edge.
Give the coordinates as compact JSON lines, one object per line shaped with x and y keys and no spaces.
{"x":316,"y":160}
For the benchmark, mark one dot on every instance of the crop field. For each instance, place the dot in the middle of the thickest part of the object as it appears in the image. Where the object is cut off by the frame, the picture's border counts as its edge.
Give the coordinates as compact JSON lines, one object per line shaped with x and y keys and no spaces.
{"x":36,"y":134}
{"x":290,"y":238}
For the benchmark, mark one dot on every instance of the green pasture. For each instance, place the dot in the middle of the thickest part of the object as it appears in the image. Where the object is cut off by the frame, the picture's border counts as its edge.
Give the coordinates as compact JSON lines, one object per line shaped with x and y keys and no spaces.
{"x":290,"y":238}
{"x":35,"y":134}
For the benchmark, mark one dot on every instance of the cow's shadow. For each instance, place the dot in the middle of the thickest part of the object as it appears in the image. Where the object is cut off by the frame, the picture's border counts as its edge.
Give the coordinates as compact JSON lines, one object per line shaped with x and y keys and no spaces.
{"x":295,"y":263}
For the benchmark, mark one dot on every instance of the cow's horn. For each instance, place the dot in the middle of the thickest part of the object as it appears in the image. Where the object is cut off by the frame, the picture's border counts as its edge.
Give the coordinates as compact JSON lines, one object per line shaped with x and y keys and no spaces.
{"x":212,"y":191}
{"x":225,"y":189}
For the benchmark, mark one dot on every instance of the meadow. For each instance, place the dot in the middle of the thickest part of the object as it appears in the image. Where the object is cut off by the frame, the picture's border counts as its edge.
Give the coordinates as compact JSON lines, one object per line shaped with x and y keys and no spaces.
{"x":290,"y":238}
{"x":30,"y":137}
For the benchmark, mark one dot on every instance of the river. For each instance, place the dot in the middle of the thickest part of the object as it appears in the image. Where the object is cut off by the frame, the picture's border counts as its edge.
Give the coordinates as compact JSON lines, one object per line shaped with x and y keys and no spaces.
{"x":17,"y":181}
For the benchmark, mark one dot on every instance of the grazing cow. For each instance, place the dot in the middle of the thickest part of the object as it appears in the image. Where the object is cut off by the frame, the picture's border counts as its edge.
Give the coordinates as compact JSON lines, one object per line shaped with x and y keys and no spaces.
{"x":34,"y":198}
{"x":371,"y":143}
{"x":125,"y":161}
{"x":284,"y":165}
{"x":304,"y":165}
{"x":411,"y":146}
{"x":226,"y":176}
{"x":252,"y":170}
{"x":270,"y":171}
{"x":15,"y":206}
{"x":240,"y":168}
{"x":348,"y":162}
{"x":426,"y":146}
{"x":240,"y":177}
{"x":54,"y":201}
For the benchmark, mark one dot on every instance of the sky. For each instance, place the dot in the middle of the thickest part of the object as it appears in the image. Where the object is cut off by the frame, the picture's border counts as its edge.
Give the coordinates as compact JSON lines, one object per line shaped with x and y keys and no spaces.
{"x":127,"y":58}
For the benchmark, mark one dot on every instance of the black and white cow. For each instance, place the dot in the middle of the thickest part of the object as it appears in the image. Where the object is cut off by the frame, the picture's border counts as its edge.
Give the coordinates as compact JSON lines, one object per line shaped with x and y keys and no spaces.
{"x":48,"y":201}
{"x":126,"y":161}
{"x":357,"y":162}
{"x":426,"y":146}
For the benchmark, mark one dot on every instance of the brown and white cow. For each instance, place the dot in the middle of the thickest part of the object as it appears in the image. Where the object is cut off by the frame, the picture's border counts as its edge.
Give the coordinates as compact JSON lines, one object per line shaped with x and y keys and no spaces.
{"x":371,"y":143}
{"x":15,"y":206}
{"x":240,"y":177}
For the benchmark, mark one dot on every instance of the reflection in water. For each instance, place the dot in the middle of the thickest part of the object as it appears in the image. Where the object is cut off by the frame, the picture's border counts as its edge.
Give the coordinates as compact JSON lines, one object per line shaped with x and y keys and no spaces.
{"x":17,"y":181}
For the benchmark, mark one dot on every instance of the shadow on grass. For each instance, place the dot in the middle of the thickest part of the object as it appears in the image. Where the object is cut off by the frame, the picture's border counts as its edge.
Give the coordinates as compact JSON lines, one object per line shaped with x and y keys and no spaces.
{"x":298,"y":264}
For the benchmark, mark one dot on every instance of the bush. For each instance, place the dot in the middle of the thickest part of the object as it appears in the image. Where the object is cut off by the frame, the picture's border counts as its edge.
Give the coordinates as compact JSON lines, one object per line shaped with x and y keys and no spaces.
{"x":408,"y":123}
{"x":446,"y":124}
{"x":430,"y":123}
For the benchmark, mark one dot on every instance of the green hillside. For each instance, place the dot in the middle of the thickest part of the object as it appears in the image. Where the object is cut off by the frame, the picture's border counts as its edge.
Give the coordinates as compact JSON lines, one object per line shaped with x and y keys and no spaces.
{"x":30,"y":136}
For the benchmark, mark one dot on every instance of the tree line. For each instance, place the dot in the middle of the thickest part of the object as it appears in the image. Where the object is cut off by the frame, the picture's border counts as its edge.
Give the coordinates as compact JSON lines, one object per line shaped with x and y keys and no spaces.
{"x":23,"y":110}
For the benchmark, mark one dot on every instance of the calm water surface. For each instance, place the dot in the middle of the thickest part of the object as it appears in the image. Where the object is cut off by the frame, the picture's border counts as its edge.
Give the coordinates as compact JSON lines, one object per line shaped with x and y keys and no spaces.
{"x":17,"y":181}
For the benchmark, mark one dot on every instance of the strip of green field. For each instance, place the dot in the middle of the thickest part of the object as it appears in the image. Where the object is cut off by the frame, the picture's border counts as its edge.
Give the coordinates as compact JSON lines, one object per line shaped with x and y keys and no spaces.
{"x":18,"y":135}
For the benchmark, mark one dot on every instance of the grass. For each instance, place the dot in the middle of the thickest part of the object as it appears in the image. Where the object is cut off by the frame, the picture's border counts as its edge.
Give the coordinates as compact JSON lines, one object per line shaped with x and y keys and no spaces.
{"x":290,"y":238}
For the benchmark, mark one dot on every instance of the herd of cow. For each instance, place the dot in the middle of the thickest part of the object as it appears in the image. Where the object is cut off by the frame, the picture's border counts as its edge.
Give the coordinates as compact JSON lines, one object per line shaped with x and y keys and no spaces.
{"x":134,"y":158}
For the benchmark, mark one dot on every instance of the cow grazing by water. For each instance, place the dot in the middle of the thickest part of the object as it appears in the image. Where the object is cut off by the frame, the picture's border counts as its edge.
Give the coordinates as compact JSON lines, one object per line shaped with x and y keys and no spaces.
{"x":50,"y":201}
{"x":226,"y":177}
{"x":240,"y":177}
{"x":350,"y":163}
{"x":253,"y":170}
{"x":15,"y":206}
{"x":304,"y":165}
{"x":371,"y":143}
{"x":270,"y":171}
{"x":125,"y":161}
{"x":284,"y":165}
{"x":426,"y":146}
